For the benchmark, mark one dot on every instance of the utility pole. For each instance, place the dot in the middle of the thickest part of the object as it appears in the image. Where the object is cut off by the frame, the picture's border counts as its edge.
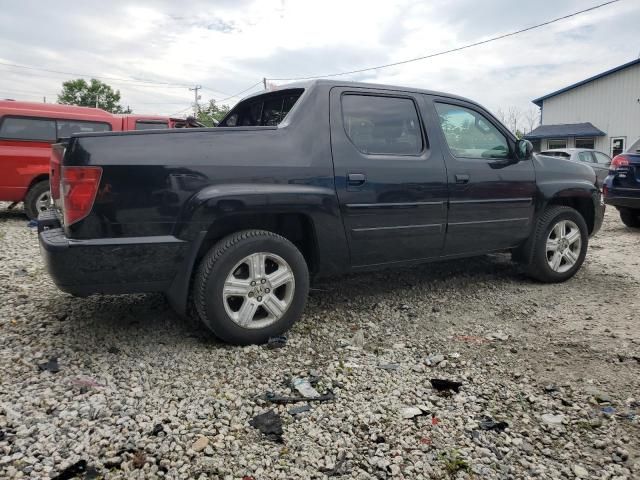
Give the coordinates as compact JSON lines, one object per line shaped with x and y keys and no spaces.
{"x":264,"y":82}
{"x":196,"y":98}
{"x":44,"y":99}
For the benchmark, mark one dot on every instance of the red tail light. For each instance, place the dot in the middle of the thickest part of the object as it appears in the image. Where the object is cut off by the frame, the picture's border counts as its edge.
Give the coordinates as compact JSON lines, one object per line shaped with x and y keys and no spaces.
{"x":79,"y":188}
{"x":54,"y":176}
{"x":619,"y":161}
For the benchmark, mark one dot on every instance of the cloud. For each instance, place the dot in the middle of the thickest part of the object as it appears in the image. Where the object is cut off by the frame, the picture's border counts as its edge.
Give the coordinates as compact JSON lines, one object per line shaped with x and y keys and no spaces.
{"x":227,"y":45}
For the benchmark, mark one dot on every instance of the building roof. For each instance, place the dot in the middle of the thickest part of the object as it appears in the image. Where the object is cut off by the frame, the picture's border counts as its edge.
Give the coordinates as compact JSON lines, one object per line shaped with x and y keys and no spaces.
{"x":538,"y":101}
{"x":565,"y":130}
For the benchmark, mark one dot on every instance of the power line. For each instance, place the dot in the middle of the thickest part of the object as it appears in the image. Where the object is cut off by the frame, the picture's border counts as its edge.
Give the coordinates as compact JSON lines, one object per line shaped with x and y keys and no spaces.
{"x":457,"y":49}
{"x":241,"y":92}
{"x":181,"y":111}
{"x":133,"y":81}
{"x":119,"y":79}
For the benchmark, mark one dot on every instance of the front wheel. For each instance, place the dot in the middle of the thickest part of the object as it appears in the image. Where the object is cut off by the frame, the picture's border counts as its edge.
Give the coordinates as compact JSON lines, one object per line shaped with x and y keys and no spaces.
{"x":250,"y":286}
{"x":630,"y":217}
{"x":559,"y":245}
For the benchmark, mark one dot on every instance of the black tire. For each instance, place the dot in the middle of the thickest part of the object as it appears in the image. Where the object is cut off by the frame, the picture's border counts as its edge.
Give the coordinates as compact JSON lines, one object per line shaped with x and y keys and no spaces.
{"x":630,"y":217}
{"x":538,"y":264}
{"x":31,"y":200}
{"x":218,"y":264}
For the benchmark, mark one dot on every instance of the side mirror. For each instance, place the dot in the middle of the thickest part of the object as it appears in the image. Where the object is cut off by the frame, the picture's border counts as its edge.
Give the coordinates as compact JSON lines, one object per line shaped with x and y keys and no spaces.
{"x":524,"y":149}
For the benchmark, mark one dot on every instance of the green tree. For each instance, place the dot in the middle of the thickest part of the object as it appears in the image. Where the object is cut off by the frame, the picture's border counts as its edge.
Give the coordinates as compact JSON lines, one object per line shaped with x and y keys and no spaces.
{"x":93,"y":94}
{"x":210,"y":114}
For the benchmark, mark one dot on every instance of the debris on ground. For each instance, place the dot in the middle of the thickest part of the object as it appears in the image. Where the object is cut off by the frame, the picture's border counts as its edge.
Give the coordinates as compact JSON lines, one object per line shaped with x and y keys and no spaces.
{"x":340,"y":467}
{"x":412,"y":412}
{"x":283,"y":400}
{"x":303,"y":386}
{"x":489,"y":424}
{"x":157,"y":429}
{"x":269,"y":424}
{"x":113,"y":350}
{"x":442,"y":385}
{"x":50,"y":366}
{"x":500,"y":335}
{"x":299,"y":410}
{"x":276,"y":342}
{"x":72,"y":471}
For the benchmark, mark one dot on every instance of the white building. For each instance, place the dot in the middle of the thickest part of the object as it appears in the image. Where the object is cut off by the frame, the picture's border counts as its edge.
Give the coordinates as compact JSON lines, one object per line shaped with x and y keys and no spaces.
{"x":601,"y":112}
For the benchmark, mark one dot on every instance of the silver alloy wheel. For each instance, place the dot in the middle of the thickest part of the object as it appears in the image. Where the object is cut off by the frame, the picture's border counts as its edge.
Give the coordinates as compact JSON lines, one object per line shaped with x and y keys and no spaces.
{"x":43,"y":202}
{"x":259,"y":290}
{"x":563,"y":246}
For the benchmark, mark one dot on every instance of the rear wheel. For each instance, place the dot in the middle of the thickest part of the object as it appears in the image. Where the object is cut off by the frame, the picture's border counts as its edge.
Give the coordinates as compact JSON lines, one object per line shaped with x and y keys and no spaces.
{"x":250,"y":286}
{"x":630,"y":217}
{"x":38,"y":199}
{"x":559,"y":245}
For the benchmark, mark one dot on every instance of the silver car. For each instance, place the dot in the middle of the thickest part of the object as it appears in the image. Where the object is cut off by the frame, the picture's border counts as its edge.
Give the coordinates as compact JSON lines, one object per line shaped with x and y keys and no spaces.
{"x":597,"y":160}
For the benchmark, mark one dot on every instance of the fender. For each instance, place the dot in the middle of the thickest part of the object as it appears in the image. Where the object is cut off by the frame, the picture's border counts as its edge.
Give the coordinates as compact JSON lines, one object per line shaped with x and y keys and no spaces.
{"x":216,"y":205}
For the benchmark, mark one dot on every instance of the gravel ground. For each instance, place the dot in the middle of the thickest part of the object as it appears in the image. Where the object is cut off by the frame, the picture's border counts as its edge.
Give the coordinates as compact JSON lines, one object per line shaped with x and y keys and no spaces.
{"x":140,"y":393}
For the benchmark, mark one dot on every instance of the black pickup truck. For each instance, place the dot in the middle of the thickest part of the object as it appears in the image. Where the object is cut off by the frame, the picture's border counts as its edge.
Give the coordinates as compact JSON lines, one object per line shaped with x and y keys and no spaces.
{"x":313,"y":179}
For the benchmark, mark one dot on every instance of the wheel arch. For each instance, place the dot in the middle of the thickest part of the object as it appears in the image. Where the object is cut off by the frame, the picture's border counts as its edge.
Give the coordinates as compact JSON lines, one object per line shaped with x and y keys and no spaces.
{"x":583,"y":203}
{"x":37,"y":179}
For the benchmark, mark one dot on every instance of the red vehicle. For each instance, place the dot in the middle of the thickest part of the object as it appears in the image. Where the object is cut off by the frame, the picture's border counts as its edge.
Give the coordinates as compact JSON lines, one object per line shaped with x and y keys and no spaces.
{"x":27,"y":131}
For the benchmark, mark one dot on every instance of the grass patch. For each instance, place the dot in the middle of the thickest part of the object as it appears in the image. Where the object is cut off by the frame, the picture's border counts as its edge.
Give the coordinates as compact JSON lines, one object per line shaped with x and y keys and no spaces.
{"x":453,"y":463}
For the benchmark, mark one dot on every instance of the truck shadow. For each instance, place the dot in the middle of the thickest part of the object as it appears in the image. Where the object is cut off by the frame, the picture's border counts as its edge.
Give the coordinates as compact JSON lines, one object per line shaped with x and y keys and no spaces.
{"x":124,"y":323}
{"x":13,"y":214}
{"x":460,"y":274}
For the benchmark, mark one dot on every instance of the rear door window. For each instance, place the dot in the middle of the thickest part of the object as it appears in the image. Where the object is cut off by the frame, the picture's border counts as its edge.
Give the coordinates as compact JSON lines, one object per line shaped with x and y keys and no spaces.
{"x":20,"y":128}
{"x":68,"y":127}
{"x":382,"y":125}
{"x":585,"y":157}
{"x":601,"y":158}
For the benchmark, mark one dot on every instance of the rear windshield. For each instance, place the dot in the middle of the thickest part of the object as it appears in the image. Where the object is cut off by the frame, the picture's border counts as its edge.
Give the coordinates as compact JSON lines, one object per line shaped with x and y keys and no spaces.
{"x":556,"y":154}
{"x":265,"y":110}
{"x":150,"y":124}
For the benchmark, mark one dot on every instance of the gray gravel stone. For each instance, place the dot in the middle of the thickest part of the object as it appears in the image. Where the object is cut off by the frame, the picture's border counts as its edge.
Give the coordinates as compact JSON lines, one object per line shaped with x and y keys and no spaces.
{"x":128,"y":364}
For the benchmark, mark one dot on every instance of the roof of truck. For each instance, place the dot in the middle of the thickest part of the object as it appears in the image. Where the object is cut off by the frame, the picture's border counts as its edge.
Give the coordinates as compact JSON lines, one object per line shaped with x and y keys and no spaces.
{"x":51,"y":108}
{"x":339,"y":83}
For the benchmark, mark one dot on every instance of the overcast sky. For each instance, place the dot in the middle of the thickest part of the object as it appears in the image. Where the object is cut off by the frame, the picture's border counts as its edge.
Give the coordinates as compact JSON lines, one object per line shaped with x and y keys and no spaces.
{"x":228,"y":45}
